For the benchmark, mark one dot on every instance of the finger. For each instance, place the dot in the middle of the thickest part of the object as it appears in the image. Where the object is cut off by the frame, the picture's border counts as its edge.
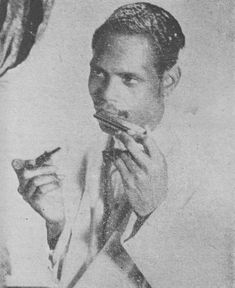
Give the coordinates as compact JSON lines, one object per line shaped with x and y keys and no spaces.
{"x":151,"y":147}
{"x":31,"y":192}
{"x":28,"y":174}
{"x":129,"y":162}
{"x":49,"y":187}
{"x":27,"y":190}
{"x":137,"y":136}
{"x":28,"y":187}
{"x":44,"y":179}
{"x":124,"y":172}
{"x":133,"y":147}
{"x":30,"y":164}
{"x":18,"y":166}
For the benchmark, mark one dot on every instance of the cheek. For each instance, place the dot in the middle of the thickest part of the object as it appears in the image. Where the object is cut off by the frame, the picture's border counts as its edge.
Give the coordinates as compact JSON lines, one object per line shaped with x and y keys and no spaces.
{"x":91,"y":85}
{"x":144,"y":112}
{"x":139,"y":111}
{"x":147,"y":109}
{"x":95,"y":90}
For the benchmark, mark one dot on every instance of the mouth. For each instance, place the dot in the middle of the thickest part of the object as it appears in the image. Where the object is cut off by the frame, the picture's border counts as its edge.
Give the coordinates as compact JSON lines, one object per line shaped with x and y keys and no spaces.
{"x":110,"y":120}
{"x":116,"y":123}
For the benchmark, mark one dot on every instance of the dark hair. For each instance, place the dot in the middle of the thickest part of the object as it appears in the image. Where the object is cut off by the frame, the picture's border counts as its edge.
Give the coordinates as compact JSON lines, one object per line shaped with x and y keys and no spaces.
{"x":149,"y":20}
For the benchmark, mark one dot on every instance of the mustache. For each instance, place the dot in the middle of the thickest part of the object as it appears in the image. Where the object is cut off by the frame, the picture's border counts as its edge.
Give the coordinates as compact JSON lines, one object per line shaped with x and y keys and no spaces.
{"x":112,"y":121}
{"x":113,"y":110}
{"x":123,"y":113}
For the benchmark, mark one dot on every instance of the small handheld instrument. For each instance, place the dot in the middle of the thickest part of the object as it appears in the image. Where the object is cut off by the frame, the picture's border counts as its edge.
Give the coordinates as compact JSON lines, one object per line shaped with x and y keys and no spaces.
{"x":40,"y":160}
{"x":116,"y":123}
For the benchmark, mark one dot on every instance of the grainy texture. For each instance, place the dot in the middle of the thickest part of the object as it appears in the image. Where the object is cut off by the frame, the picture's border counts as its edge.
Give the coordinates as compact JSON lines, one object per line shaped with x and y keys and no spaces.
{"x":44,"y":103}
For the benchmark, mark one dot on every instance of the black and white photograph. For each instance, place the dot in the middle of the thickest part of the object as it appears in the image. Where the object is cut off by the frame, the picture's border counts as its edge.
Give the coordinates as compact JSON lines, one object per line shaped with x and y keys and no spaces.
{"x":117,"y":144}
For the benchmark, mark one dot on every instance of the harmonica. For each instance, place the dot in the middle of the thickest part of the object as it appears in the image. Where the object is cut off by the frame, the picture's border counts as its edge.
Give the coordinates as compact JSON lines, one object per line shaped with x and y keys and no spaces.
{"x":117,"y":123}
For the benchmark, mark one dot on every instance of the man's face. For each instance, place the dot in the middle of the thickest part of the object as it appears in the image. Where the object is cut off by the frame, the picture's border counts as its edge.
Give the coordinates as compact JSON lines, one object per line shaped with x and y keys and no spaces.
{"x":124,"y":81}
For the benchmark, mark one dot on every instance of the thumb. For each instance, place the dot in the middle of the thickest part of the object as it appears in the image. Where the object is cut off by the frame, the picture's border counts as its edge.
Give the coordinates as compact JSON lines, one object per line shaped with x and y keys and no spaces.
{"x":18,"y":165}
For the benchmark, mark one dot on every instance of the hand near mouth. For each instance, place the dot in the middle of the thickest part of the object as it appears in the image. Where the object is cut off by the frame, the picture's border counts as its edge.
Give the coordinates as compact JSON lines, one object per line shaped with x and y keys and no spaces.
{"x":144,"y":173}
{"x":115,"y":123}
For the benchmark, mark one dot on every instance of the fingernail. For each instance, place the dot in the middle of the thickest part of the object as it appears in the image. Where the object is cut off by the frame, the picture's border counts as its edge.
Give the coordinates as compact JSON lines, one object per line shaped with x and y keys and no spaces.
{"x":131,"y":132}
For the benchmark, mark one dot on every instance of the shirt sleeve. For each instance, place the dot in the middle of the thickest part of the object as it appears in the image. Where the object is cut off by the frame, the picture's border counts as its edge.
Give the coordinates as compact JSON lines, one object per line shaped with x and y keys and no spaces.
{"x":182,"y":248}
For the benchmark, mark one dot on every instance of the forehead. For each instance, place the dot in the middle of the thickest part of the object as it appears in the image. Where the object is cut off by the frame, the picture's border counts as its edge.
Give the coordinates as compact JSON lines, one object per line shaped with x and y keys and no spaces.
{"x":124,"y":52}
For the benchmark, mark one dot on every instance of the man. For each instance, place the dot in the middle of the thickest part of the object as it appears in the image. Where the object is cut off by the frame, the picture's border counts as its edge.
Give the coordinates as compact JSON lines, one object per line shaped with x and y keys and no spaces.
{"x":124,"y":233}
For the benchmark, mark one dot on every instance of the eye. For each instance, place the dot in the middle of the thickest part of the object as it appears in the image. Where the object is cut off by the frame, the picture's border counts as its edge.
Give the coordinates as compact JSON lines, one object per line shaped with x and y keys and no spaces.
{"x":129,"y":79}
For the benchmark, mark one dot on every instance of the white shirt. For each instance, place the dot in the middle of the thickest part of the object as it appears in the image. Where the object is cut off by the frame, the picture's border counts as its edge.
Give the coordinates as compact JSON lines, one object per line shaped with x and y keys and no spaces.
{"x":186,"y":242}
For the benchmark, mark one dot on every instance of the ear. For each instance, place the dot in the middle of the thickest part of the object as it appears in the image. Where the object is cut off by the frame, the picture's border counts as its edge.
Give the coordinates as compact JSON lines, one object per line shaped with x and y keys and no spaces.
{"x":170,"y":80}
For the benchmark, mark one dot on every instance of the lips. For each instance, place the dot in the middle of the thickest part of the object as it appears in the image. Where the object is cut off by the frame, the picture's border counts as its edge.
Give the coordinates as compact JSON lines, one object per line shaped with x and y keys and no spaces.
{"x":116,"y":123}
{"x":111,"y":120}
{"x":112,"y":112}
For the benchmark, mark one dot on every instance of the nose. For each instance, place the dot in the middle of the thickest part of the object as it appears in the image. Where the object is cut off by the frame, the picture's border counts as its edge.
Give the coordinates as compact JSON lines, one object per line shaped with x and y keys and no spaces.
{"x":112,"y":90}
{"x":107,"y":92}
